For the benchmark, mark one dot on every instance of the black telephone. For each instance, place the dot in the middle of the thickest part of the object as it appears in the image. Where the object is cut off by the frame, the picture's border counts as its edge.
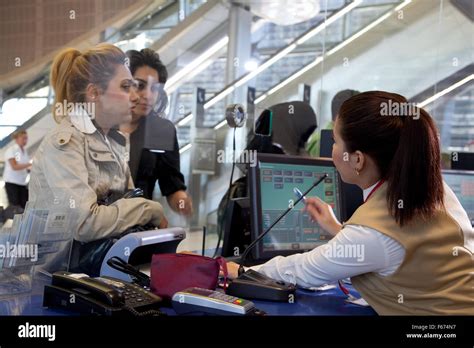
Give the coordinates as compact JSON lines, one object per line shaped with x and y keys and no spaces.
{"x":109,"y":296}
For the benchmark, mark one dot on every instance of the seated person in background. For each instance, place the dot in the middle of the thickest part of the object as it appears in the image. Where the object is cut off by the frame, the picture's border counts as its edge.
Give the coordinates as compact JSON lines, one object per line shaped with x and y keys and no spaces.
{"x":146,"y":166}
{"x":290,"y":127}
{"x":414,"y":237}
{"x":313,"y":146}
{"x":85,"y":155}
{"x":15,"y":174}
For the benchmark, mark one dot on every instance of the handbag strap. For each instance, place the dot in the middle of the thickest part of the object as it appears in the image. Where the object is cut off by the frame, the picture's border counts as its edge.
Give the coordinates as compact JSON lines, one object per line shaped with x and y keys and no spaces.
{"x":223,"y":266}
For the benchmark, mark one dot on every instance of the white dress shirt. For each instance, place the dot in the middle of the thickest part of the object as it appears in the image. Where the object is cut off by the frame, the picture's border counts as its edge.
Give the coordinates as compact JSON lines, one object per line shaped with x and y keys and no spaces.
{"x":354,"y":250}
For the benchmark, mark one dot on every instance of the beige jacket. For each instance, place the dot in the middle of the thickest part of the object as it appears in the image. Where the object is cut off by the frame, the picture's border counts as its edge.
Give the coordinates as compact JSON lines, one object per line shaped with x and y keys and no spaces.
{"x":76,"y":159}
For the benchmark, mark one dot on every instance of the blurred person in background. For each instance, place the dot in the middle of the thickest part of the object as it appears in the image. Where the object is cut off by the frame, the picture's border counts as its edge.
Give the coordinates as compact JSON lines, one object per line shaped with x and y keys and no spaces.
{"x":313,"y":146}
{"x":17,"y":165}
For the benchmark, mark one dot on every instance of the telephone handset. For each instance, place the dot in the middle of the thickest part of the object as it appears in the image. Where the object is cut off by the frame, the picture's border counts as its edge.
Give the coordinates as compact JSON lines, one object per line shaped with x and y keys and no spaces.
{"x":102,"y":296}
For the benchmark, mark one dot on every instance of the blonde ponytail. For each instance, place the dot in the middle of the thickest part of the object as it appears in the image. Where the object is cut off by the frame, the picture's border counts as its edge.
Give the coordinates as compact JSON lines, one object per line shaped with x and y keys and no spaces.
{"x":72,"y":71}
{"x":60,"y":72}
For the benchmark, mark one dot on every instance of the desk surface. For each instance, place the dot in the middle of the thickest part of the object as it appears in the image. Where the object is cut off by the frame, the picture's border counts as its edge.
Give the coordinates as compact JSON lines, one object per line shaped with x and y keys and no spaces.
{"x":330,"y":302}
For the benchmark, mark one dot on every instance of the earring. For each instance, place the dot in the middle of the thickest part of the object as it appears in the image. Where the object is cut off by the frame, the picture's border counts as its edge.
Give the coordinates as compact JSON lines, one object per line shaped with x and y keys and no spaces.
{"x":357,"y":172}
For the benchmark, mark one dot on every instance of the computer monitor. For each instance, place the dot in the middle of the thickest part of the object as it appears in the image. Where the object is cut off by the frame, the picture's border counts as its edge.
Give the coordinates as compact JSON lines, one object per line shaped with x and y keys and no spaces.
{"x":236,"y":236}
{"x":462,"y":184}
{"x":353,"y":196}
{"x":271,"y":184}
{"x":462,"y":160}
{"x":326,"y":142}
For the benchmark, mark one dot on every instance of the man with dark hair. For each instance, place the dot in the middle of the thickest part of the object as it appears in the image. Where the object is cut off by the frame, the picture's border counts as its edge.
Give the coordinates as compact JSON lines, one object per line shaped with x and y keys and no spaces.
{"x":149,"y":165}
{"x":314,"y":142}
{"x":147,"y":57}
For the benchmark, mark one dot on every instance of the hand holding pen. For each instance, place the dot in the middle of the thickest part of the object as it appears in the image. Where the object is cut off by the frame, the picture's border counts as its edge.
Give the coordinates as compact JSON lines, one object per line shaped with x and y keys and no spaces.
{"x":320,"y":212}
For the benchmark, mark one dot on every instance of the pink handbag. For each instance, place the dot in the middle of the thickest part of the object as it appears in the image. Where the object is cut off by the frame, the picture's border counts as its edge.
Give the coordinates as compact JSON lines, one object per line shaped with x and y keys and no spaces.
{"x":171,"y":273}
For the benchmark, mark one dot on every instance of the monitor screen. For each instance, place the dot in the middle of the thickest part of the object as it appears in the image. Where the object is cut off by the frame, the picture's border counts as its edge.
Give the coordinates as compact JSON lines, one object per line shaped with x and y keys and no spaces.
{"x":325,"y":148}
{"x":271,"y":190}
{"x":462,"y":160}
{"x":462,"y":184}
{"x":353,"y":196}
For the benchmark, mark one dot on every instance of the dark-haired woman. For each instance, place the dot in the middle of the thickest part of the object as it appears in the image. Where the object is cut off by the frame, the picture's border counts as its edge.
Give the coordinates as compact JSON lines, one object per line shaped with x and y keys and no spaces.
{"x":148,"y":167}
{"x":408,"y":248}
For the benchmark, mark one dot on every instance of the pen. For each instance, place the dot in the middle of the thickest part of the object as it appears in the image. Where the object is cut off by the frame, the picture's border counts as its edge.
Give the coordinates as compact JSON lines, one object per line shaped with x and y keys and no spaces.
{"x":298,"y":194}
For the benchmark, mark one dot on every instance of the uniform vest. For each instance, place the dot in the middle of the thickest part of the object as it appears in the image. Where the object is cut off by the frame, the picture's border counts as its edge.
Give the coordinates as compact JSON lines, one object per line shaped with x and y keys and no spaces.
{"x":436,"y":275}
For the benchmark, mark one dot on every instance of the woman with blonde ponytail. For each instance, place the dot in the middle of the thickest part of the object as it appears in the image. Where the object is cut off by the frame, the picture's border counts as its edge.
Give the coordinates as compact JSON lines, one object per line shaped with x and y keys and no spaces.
{"x":84,"y":158}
